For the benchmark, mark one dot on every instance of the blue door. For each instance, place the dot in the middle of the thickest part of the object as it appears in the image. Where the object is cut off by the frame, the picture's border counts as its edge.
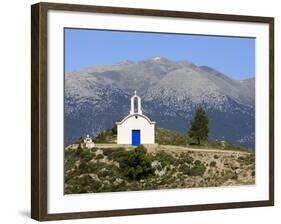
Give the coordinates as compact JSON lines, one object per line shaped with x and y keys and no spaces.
{"x":135,"y":137}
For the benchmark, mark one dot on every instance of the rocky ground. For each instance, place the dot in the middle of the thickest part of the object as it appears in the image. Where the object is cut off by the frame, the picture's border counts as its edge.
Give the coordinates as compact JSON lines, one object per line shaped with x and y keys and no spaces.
{"x":98,"y":169}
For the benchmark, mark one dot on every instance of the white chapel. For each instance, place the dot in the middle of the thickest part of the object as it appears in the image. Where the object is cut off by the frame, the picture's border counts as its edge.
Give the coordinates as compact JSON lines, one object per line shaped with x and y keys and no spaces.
{"x":136,"y":128}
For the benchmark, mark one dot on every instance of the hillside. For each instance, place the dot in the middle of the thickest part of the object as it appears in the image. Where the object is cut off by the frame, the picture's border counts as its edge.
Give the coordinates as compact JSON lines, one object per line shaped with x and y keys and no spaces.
{"x":110,"y":167}
{"x":173,"y":162}
{"x":98,"y":96}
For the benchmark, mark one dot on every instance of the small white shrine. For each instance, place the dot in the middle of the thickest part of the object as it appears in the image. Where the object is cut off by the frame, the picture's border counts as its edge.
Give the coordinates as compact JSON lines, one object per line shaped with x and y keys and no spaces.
{"x":136,"y":128}
{"x":88,"y":142}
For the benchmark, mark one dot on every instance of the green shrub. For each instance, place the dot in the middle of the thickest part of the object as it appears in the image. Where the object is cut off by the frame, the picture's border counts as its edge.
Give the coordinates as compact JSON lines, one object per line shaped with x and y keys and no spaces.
{"x":100,"y":156}
{"x":184,"y":158}
{"x":165,"y":158}
{"x":96,"y":167}
{"x":141,"y":148}
{"x":246,"y":160}
{"x":241,"y":158}
{"x":198,"y":169}
{"x":108,"y":151}
{"x":86,"y":155}
{"x":197,"y":162}
{"x":188,"y":159}
{"x":79,"y":150}
{"x":86,"y":184}
{"x":83,"y":167}
{"x":136,"y":164}
{"x":213,"y":163}
{"x":114,"y":130}
{"x":185,"y":169}
{"x":228,"y":174}
{"x":114,"y":153}
{"x":103,"y":173}
{"x":94,"y":149}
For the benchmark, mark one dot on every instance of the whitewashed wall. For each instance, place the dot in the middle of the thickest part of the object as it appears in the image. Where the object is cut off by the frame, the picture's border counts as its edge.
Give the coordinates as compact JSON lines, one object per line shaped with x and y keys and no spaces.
{"x":147,"y":130}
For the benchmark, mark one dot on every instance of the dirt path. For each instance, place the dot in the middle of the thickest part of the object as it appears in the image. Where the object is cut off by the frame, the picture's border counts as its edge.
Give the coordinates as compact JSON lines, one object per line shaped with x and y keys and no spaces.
{"x":172,"y":148}
{"x":182,"y":148}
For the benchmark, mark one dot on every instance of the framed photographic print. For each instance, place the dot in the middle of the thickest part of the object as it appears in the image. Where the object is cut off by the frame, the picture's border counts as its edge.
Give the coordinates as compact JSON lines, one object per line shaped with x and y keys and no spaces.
{"x":140,"y":111}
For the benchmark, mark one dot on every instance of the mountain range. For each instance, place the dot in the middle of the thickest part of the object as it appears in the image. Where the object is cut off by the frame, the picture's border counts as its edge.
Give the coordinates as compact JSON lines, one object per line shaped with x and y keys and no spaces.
{"x":96,"y":97}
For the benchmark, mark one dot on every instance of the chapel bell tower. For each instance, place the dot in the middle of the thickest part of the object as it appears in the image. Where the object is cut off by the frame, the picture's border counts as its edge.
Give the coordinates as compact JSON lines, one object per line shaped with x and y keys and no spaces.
{"x":138,"y":109}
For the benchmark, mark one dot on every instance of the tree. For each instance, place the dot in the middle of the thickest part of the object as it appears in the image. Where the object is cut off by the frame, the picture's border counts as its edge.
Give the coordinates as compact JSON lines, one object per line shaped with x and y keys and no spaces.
{"x":199,"y":126}
{"x":114,"y":130}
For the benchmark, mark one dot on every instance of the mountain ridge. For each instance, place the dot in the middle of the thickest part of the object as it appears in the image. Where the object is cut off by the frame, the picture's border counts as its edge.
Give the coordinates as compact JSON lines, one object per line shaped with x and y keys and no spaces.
{"x":170,"y":90}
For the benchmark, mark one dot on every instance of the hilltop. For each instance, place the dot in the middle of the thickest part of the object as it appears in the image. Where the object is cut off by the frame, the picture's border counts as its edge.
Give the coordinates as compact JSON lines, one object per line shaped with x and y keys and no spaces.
{"x":165,"y":136}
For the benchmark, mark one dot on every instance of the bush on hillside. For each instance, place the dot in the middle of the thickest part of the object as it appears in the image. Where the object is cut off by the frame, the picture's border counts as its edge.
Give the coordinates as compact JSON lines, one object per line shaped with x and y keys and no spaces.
{"x":136,"y":164}
{"x":114,"y":153}
{"x":165,"y":158}
{"x":198,"y":169}
{"x":99,"y":156}
{"x":213,"y":163}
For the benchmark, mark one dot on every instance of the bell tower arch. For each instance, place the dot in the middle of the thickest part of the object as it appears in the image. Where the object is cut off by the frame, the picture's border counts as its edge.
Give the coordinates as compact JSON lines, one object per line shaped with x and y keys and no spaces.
{"x":138,"y":109}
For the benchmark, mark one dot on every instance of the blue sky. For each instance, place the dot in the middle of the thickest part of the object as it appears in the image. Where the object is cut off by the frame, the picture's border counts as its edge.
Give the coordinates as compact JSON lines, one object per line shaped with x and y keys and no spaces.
{"x":233,"y":56}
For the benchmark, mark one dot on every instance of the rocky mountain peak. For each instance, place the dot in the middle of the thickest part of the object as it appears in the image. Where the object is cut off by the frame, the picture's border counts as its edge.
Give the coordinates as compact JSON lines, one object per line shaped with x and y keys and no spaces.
{"x":170,"y":90}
